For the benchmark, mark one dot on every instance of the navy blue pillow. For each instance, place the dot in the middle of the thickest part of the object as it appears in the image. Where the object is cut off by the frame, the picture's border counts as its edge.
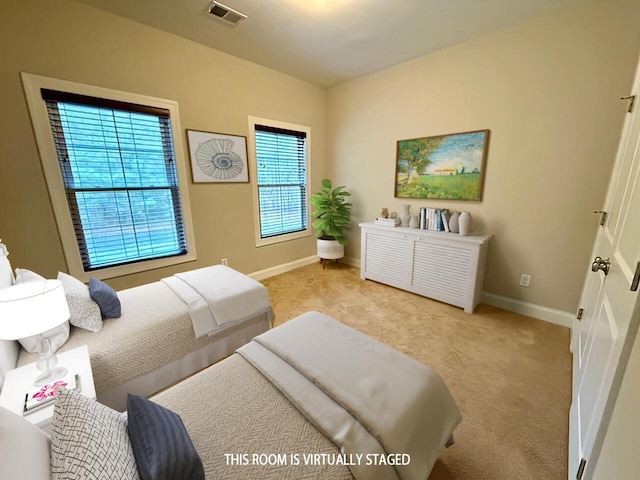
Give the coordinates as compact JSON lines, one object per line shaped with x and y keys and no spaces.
{"x":106,"y":298}
{"x":161,"y":444}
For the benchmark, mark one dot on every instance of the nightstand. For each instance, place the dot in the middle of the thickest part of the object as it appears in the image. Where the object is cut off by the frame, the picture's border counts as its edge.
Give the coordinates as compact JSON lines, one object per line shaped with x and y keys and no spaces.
{"x":18,"y":381}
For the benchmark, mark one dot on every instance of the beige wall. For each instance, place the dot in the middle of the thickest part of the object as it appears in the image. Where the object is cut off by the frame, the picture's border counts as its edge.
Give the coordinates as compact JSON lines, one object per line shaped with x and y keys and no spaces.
{"x":549,"y":92}
{"x":547,"y":89}
{"x":216,"y":92}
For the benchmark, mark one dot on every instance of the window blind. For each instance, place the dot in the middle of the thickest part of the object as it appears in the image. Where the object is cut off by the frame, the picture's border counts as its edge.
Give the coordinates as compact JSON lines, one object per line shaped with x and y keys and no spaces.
{"x":282,"y":180}
{"x":120,"y":178}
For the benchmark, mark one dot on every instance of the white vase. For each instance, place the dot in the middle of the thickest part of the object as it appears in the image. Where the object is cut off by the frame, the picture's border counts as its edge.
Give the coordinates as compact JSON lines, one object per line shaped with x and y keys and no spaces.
{"x":453,"y":222}
{"x":464,"y":222}
{"x":415,"y":221}
{"x":405,"y":215}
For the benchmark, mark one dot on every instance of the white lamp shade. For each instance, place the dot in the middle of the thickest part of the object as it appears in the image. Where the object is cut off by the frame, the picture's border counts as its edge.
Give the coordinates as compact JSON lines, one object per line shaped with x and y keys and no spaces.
{"x":32,"y":308}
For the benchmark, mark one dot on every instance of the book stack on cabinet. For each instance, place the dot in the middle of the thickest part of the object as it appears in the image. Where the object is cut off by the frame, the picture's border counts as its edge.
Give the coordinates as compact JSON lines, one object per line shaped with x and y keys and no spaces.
{"x":388,"y":222}
{"x":434,"y":219}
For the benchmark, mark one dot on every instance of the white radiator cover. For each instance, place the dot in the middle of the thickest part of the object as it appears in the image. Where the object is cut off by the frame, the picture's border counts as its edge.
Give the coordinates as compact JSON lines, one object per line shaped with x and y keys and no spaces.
{"x":444,"y":266}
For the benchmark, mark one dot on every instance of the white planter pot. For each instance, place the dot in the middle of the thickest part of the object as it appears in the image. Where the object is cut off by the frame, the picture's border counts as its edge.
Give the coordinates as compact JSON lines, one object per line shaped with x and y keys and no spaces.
{"x":330,"y":249}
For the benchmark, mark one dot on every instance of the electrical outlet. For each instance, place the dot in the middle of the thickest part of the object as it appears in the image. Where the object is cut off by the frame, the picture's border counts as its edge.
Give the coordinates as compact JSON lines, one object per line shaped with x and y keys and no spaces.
{"x":224,"y":261}
{"x":525,"y":280}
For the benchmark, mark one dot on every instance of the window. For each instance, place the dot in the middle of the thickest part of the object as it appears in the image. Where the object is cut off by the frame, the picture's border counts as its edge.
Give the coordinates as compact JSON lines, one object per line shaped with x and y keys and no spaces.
{"x":281,"y":162}
{"x":118,"y":174}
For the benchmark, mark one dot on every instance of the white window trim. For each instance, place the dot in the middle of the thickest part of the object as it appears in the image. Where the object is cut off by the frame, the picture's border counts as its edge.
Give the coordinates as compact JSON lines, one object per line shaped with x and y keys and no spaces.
{"x":44,"y":138}
{"x":261,"y":242}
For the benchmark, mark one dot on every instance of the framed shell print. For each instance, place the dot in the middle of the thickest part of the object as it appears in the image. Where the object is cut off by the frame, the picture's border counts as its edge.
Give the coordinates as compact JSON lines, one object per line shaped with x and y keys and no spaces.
{"x":218,"y":157}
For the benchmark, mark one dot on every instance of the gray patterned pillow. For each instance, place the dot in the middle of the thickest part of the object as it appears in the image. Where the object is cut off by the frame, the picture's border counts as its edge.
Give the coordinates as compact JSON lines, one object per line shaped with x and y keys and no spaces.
{"x":89,"y":440}
{"x":85,"y":313}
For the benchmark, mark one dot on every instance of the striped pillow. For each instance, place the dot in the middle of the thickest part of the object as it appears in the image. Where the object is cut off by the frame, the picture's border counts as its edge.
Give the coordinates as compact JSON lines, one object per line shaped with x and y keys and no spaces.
{"x":161,"y":444}
{"x":106,"y":298}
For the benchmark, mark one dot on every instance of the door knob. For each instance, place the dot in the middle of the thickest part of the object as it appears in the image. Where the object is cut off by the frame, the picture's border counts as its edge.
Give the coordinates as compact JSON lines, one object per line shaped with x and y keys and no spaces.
{"x":600,"y":264}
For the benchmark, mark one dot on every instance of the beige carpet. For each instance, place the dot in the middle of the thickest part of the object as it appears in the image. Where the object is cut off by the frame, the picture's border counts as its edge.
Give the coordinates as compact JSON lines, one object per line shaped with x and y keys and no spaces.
{"x":509,"y":374}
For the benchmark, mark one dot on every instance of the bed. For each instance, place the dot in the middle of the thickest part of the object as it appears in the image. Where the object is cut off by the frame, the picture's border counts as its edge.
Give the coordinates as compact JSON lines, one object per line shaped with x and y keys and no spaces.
{"x":153,"y":344}
{"x":312,"y":398}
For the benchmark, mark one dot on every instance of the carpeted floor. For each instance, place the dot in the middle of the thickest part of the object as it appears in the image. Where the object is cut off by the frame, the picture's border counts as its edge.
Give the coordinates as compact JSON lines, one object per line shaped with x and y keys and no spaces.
{"x":510,"y":374}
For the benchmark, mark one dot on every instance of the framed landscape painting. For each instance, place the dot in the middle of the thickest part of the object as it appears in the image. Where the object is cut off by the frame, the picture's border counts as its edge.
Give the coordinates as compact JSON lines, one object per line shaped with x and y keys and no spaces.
{"x":447,"y":167}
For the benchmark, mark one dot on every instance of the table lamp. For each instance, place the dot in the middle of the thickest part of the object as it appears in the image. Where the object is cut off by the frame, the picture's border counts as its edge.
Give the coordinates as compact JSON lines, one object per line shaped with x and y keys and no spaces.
{"x":33,"y":308}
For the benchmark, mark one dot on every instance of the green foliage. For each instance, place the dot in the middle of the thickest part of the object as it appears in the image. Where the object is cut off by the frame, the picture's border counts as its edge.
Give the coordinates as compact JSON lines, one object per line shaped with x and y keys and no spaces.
{"x":455,"y":187}
{"x":413,"y":155}
{"x":332,"y":212}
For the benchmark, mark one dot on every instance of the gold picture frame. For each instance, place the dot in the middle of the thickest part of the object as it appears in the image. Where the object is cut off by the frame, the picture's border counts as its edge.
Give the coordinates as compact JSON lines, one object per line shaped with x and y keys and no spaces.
{"x":445,"y":167}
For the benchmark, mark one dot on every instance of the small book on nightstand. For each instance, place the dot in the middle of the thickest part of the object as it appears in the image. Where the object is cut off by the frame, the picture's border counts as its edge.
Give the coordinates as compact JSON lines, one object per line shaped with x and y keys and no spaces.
{"x":40,"y":397}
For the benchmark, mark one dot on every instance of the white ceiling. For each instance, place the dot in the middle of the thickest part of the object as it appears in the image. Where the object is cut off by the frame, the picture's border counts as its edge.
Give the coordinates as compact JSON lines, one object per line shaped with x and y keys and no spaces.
{"x":327,"y":42}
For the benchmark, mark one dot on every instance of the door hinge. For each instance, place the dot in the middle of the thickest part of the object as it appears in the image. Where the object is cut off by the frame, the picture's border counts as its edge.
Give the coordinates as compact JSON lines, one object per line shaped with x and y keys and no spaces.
{"x":636,"y":279}
{"x":580,"y":312}
{"x":583,"y":463}
{"x":632,"y":101}
{"x":603,"y":216}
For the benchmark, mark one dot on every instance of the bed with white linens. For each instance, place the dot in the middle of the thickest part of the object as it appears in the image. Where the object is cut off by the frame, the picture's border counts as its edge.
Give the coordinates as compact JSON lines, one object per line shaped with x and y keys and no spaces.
{"x":310,"y":399}
{"x":162,"y":335}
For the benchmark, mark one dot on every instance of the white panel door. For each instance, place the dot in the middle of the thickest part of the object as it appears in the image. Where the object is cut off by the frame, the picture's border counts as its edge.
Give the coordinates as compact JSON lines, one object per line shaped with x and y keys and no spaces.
{"x":601,"y":339}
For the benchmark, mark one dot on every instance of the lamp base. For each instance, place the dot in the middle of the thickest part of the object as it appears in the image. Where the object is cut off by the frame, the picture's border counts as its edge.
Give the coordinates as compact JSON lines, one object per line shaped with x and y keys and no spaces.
{"x":50,"y":376}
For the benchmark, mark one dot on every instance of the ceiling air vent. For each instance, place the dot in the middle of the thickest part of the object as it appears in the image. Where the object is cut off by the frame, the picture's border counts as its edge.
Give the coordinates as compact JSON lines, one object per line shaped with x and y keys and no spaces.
{"x":226,"y":14}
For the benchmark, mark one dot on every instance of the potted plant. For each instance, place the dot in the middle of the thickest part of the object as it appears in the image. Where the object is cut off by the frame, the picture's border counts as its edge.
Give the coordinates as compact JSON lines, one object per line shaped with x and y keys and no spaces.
{"x":333,"y":214}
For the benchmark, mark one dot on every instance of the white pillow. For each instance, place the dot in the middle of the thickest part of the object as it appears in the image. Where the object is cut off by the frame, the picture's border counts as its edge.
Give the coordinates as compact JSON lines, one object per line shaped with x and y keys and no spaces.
{"x":89,"y":440}
{"x":24,"y":448}
{"x":85,"y":312}
{"x":57,"y":336}
{"x":6,"y":275}
{"x":23,"y":275}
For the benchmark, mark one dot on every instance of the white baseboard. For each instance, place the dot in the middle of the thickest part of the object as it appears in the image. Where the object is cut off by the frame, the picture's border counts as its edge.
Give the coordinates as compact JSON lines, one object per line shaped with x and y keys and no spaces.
{"x":287,"y":267}
{"x":353,"y":261}
{"x":550,"y":315}
{"x":284,"y":268}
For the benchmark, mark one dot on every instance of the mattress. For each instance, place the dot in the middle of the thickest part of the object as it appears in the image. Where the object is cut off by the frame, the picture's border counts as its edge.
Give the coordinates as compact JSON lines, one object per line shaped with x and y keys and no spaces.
{"x":154,"y":330}
{"x":231,"y":408}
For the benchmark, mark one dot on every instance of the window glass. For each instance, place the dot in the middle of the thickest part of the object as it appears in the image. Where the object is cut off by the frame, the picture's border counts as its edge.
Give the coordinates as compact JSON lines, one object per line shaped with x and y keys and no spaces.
{"x":119,"y":173}
{"x":281,"y":158}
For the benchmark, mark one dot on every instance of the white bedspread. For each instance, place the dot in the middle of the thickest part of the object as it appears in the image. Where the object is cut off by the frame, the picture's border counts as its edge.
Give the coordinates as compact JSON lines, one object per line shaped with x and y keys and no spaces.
{"x":218,"y":297}
{"x":367,"y":397}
